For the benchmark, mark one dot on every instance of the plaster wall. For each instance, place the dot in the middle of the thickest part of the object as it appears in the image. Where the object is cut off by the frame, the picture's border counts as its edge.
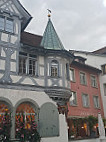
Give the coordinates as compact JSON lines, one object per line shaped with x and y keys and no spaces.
{"x":3,"y":53}
{"x":13,"y":56}
{"x":92,"y":59}
{"x":4,"y":37}
{"x":13,"y":66}
{"x":14,"y":96}
{"x":2,"y":64}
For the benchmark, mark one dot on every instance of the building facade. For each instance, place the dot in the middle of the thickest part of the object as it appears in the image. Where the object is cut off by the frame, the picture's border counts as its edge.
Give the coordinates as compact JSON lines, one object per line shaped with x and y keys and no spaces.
{"x":97,"y":59}
{"x":86,"y":101}
{"x":34,"y":75}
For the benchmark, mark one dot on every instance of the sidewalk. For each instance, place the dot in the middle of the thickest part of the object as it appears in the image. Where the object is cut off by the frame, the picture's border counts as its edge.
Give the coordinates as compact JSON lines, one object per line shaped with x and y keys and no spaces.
{"x":88,"y":140}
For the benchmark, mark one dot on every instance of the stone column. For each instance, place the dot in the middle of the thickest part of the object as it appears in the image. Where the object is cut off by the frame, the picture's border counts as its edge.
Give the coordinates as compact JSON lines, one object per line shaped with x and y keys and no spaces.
{"x":13,"y":125}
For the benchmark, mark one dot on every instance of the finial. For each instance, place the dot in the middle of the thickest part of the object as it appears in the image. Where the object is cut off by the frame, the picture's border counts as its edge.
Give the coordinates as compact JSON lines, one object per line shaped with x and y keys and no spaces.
{"x":49,"y":11}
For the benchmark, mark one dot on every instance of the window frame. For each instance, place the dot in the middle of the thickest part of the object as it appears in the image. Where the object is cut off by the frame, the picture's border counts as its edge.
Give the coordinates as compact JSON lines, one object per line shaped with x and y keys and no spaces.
{"x":96,"y":107}
{"x":84,"y":94}
{"x":85,"y":84}
{"x":73,"y":75}
{"x":27,"y":56}
{"x":92,"y":83}
{"x":71,"y":102}
{"x":104,"y":88}
{"x":32,"y":59}
{"x":103,"y":67}
{"x":6,"y":18}
{"x":23,"y":56}
{"x":56,"y":62}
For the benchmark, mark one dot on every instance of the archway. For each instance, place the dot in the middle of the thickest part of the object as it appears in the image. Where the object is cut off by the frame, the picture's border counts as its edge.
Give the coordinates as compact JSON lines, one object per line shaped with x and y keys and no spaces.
{"x":5,"y":121}
{"x":26,"y":121}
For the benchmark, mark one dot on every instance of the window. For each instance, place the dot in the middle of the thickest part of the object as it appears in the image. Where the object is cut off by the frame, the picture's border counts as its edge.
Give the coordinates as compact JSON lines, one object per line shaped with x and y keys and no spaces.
{"x":104,"y":89}
{"x":83,"y":78}
{"x":73,"y":101}
{"x":9,"y":25}
{"x":22,"y":63}
{"x":104,"y":69}
{"x":96,"y":101}
{"x":72,"y":75}
{"x":93,"y":81}
{"x":85,"y":100}
{"x":67,"y":72}
{"x":54,"y":68}
{"x":27,"y":63}
{"x":32,"y":65}
{"x":2,"y":22}
{"x":6,"y":24}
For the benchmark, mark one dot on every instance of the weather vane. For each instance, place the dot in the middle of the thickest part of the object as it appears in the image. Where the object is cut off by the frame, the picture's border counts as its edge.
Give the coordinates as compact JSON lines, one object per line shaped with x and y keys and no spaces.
{"x":49,"y":12}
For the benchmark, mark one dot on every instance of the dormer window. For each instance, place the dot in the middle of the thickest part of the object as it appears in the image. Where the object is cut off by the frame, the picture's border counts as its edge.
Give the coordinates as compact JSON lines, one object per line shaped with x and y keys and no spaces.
{"x":6,"y":24}
{"x":54,"y":68}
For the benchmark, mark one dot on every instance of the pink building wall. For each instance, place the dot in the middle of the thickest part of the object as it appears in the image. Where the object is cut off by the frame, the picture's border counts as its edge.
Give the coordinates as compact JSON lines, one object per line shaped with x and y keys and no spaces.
{"x":79,"y":110}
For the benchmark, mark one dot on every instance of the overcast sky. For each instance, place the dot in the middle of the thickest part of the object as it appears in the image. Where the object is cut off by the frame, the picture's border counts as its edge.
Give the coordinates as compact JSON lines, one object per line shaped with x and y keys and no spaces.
{"x":80,"y":24}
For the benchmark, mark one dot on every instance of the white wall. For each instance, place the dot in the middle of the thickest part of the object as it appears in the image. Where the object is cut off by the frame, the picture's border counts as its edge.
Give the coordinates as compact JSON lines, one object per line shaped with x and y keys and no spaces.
{"x":92,"y":59}
{"x":14,"y":96}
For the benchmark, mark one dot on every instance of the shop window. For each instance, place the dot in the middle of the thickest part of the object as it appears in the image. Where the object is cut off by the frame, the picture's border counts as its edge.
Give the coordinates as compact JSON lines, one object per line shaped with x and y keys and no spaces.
{"x":26,"y":122}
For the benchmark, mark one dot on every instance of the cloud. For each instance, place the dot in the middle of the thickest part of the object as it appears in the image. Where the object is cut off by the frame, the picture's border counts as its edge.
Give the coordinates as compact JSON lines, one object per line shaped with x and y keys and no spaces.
{"x":80,"y":24}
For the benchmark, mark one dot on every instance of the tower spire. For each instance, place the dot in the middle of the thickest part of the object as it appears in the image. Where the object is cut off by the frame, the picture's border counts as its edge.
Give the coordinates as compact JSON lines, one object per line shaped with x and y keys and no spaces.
{"x":49,"y":13}
{"x":50,"y":38}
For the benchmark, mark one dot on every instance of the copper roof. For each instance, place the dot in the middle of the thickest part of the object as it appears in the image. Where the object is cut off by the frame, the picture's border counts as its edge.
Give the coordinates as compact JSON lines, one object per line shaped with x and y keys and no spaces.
{"x":50,"y":38}
{"x":30,"y":39}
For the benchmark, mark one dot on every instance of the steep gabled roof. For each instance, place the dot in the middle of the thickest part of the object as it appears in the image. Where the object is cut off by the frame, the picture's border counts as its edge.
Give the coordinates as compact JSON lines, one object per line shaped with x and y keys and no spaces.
{"x":30,"y":39}
{"x":50,"y":38}
{"x":26,"y":16}
{"x":100,"y":51}
{"x":86,"y":66}
{"x":14,"y":7}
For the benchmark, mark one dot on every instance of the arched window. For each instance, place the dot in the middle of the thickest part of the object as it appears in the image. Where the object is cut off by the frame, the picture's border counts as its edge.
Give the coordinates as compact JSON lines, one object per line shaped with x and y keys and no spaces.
{"x":26,"y":121}
{"x":5,"y":120}
{"x":54,"y":68}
